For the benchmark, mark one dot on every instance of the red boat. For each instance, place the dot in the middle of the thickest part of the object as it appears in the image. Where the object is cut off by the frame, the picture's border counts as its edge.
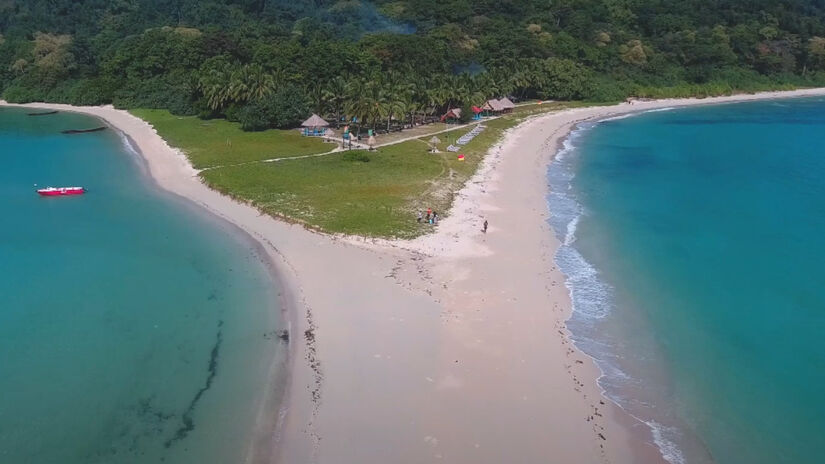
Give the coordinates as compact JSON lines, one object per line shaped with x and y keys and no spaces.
{"x":60,"y":191}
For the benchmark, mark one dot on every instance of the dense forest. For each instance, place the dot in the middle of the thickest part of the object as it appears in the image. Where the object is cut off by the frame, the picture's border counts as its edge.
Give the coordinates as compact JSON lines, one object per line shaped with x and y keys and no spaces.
{"x":268,"y":63}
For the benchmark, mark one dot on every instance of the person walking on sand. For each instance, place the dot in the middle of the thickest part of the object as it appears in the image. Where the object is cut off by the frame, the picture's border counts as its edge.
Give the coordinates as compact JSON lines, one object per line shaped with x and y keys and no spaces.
{"x":484,"y":228}
{"x":435,"y":217}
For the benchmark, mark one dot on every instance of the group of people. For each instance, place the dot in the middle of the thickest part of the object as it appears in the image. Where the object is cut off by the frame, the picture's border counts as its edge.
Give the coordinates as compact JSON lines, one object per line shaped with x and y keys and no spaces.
{"x":431,"y":218}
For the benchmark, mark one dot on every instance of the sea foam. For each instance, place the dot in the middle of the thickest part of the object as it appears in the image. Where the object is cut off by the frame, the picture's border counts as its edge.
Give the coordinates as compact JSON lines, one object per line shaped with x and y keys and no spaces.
{"x":591,"y":296}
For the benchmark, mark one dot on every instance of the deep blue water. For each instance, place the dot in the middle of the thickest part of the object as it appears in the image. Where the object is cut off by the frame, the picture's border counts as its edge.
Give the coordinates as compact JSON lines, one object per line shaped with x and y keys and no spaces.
{"x":133,"y":327}
{"x":694,"y":248}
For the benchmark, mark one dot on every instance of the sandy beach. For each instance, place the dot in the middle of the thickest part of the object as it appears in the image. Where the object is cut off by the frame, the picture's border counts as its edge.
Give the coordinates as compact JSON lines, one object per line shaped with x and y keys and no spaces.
{"x":448,"y":348}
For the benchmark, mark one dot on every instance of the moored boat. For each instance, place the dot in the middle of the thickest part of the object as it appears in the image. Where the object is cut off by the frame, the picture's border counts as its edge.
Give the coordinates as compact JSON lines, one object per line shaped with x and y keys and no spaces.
{"x":60,"y":191}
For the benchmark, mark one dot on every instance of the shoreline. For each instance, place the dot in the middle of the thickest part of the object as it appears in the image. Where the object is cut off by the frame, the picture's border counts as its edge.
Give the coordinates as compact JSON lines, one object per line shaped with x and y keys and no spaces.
{"x":400,"y":350}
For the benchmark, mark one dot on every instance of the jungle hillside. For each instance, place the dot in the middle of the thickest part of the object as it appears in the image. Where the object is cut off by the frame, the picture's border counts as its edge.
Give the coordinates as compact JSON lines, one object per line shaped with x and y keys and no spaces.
{"x":269,"y":63}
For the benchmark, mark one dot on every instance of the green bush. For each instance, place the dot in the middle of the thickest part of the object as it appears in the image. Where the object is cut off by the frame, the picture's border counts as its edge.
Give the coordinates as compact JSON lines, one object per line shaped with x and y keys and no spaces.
{"x":156,"y":94}
{"x":284,"y":109}
{"x":466,"y":114}
{"x":20,"y":93}
{"x":252,"y":119}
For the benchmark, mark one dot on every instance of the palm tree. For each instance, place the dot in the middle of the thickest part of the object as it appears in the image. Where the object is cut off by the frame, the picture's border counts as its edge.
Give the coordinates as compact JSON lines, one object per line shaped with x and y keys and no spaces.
{"x":356,"y":105}
{"x":315,"y":90}
{"x":376,"y":102}
{"x":418,"y":93}
{"x":214,"y":85}
{"x":250,"y":83}
{"x":394,"y":89}
{"x":438,"y":95}
{"x":335,"y":94}
{"x":408,"y":107}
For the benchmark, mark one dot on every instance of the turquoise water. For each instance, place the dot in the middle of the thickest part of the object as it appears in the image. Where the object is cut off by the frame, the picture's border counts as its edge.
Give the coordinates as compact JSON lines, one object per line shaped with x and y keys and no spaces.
{"x":694,"y":249}
{"x":133,"y":327}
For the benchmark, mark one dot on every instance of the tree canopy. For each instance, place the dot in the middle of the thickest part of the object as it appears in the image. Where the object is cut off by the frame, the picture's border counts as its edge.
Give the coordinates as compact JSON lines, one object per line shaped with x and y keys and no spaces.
{"x":382,"y":60}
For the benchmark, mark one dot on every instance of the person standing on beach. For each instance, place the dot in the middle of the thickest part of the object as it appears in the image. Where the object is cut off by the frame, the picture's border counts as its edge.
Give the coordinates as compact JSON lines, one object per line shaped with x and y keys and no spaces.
{"x":484,"y":229}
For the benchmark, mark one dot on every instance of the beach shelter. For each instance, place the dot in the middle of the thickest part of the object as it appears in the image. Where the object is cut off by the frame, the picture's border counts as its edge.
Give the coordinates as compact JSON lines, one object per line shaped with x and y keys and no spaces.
{"x":434,"y":144}
{"x":506,"y":105}
{"x":492,"y":106}
{"x":452,"y":114}
{"x":315,"y":126}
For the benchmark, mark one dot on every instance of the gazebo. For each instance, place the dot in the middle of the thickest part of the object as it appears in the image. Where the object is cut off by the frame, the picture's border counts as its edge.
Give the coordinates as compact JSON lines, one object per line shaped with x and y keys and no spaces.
{"x":315,"y":126}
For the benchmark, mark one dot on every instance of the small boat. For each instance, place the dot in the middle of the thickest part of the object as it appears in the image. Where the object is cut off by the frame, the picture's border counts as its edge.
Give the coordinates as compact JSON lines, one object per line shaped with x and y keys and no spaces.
{"x":60,"y":191}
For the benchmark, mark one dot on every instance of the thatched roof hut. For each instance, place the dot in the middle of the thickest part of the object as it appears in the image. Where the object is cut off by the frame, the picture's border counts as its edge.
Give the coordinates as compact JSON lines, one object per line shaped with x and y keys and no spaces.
{"x":492,"y":105}
{"x":315,"y":121}
{"x":507,"y":104}
{"x":453,"y":113}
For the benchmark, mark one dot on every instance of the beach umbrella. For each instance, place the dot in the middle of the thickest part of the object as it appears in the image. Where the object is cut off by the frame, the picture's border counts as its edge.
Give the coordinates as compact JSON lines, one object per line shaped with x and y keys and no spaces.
{"x":434,"y":144}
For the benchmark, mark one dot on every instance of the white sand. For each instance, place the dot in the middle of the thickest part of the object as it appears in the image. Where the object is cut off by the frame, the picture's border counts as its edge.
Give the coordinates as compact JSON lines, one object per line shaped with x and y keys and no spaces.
{"x":451,"y":347}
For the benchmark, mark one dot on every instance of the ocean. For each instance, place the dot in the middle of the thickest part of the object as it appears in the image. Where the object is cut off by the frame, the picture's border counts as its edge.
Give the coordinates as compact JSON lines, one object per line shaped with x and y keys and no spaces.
{"x":693,"y":249}
{"x":134,"y":327}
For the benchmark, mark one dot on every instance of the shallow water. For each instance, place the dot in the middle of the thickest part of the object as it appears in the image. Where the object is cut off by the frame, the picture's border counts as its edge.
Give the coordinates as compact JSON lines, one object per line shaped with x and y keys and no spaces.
{"x":133,"y":327}
{"x":693,"y":249}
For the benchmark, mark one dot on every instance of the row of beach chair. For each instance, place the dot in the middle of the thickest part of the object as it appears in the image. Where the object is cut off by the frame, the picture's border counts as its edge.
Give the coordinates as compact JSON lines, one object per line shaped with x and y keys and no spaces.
{"x":465,"y":139}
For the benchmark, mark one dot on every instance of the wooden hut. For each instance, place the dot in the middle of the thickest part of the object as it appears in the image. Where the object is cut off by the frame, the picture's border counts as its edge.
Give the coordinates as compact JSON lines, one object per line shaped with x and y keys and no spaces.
{"x":507,"y":106}
{"x":452,"y":115}
{"x":315,"y":126}
{"x":492,"y":107}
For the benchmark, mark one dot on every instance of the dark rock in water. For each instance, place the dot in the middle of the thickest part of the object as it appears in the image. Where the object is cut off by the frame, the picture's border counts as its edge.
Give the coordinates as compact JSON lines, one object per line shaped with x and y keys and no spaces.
{"x":44,"y":113}
{"x":284,"y":335}
{"x":83,"y":131}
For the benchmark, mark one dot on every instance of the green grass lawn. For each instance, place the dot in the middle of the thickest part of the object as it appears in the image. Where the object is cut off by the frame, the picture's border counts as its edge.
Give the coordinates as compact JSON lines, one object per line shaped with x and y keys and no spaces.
{"x":376,"y":194}
{"x":217,"y":142}
{"x":340,"y":193}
